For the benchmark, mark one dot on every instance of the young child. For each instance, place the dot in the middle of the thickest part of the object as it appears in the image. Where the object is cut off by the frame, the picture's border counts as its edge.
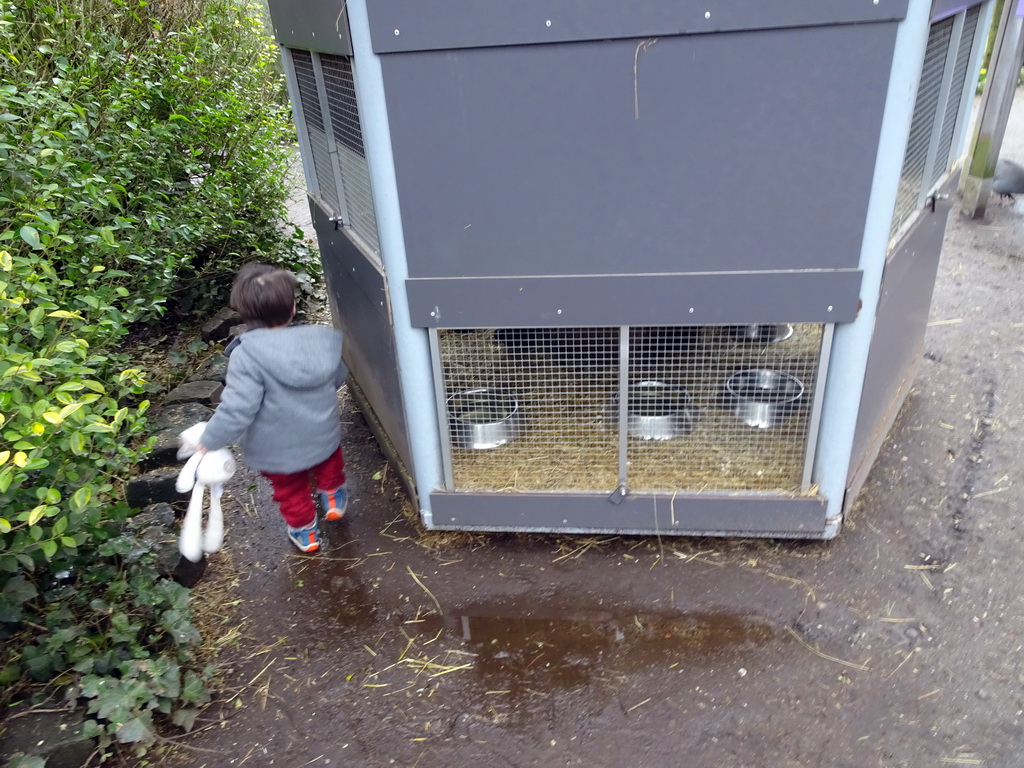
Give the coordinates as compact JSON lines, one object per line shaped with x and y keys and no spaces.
{"x":280,"y":402}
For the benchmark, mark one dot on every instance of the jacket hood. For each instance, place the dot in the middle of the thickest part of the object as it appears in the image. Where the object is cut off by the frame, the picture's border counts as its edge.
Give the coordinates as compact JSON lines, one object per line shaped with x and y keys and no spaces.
{"x":299,"y":356}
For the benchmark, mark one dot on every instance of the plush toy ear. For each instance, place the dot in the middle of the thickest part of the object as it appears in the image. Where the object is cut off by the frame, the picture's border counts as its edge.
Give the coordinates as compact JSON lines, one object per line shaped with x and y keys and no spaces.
{"x":213,"y":536}
{"x":187,"y":476}
{"x":190,"y":541}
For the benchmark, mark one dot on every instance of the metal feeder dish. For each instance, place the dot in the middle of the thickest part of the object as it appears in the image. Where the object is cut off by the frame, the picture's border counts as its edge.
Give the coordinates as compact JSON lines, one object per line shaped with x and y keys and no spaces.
{"x":483,"y":418}
{"x":658,"y":411}
{"x":759,"y":333}
{"x":763,"y":398}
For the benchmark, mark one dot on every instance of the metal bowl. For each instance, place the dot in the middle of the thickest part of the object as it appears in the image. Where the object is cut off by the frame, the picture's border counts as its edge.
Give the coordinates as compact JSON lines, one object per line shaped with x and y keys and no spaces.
{"x":763,"y":398}
{"x":657,"y":411}
{"x":760,"y":333}
{"x":483,"y":418}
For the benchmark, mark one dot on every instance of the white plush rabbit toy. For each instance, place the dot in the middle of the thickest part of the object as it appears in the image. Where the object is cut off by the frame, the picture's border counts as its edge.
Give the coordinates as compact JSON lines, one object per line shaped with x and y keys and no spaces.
{"x":202,"y":470}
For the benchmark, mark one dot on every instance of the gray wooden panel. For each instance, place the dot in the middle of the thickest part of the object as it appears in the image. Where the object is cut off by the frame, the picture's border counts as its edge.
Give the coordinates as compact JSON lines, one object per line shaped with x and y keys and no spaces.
{"x":398,"y":25}
{"x":701,"y":299}
{"x":706,"y":514}
{"x":359,"y":293}
{"x":715,"y":153}
{"x":311,"y":25}
{"x":898,"y":339}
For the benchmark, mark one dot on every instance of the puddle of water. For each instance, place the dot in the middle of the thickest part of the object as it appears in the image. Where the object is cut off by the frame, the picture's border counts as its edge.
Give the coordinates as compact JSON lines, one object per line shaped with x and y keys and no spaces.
{"x":345,"y":605}
{"x":568,"y":649}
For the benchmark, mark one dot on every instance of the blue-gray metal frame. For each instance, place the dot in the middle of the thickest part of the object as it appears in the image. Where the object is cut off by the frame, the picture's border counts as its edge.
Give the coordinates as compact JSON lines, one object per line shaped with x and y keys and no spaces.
{"x":852,"y":341}
{"x":623,"y":415}
{"x":819,"y":398}
{"x":411,"y":345}
{"x":440,"y":399}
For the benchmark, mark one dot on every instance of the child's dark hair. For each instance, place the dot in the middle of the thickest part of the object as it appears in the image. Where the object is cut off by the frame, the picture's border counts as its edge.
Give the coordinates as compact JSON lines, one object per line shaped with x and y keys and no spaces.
{"x":264,"y":295}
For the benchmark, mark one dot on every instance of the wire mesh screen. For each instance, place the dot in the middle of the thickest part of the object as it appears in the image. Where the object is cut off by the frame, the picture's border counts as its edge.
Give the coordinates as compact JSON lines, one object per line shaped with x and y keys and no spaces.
{"x":923,"y":123}
{"x":312,"y":116}
{"x":721,"y":408}
{"x":355,"y":173}
{"x":965,"y":47}
{"x":529,"y":408}
{"x":705,"y":408}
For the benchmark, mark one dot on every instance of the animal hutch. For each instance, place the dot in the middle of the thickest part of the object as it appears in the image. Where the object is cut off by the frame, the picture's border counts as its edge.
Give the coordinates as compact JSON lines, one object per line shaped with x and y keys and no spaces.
{"x":657,"y":268}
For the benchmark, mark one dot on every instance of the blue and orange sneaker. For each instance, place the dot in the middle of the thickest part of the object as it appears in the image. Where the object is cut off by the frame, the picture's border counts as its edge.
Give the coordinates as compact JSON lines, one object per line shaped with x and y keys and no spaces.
{"x":307,"y":538}
{"x":334,"y":503}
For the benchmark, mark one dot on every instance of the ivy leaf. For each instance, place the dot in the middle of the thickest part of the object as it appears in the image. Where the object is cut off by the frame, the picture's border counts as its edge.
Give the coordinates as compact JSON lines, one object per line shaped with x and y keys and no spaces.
{"x":20,"y":590}
{"x":9,"y":614}
{"x":134,"y":730}
{"x":30,"y":236}
{"x":185,"y":718}
{"x":194,"y":691}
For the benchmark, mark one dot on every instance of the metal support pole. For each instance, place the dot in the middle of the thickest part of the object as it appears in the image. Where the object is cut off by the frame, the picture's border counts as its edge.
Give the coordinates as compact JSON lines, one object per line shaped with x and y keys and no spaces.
{"x":1000,"y":85}
{"x":412,"y":345}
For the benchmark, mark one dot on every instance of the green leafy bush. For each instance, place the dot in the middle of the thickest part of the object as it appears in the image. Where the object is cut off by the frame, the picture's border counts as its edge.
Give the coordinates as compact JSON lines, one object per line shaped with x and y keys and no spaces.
{"x":143,"y":157}
{"x":144,"y":140}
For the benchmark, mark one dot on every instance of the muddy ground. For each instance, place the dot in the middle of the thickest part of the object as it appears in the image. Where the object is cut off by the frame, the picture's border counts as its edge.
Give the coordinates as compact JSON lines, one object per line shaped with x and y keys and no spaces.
{"x":897,"y":644}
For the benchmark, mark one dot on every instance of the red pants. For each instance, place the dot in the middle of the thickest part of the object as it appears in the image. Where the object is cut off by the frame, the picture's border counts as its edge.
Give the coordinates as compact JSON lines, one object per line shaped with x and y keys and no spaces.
{"x":292,"y":491}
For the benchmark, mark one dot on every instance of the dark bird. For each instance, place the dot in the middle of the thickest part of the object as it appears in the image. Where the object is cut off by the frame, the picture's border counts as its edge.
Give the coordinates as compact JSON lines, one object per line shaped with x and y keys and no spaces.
{"x":1008,"y":180}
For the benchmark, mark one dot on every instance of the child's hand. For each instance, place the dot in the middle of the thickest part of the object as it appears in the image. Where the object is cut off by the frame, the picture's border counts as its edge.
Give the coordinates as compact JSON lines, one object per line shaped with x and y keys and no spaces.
{"x":189,"y":441}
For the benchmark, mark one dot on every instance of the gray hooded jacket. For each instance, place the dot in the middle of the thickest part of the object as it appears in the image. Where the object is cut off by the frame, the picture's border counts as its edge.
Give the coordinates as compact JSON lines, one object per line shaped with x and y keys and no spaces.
{"x":280,"y":400}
